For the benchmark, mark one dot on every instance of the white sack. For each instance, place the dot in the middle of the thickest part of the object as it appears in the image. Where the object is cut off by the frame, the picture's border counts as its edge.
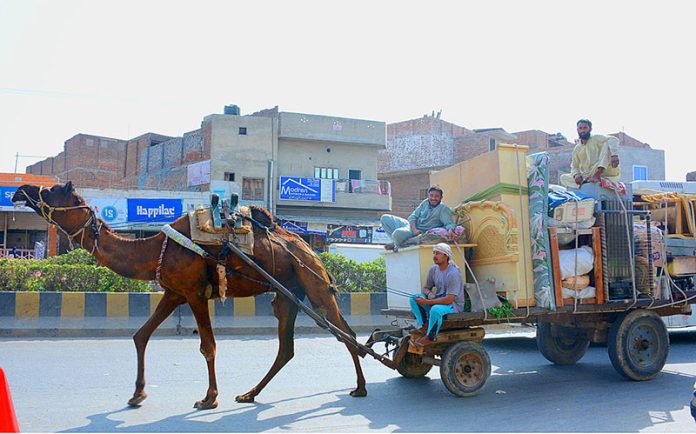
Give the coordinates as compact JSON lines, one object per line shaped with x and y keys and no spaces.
{"x":567,"y":261}
{"x":588,"y":292}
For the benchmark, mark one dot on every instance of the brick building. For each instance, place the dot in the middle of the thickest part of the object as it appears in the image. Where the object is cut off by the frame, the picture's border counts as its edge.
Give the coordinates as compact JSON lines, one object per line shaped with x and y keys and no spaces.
{"x":418,"y":146}
{"x":249,"y":155}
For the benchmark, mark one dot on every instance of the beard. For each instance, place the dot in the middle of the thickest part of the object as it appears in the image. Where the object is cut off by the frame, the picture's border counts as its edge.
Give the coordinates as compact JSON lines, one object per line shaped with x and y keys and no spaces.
{"x":584,"y":136}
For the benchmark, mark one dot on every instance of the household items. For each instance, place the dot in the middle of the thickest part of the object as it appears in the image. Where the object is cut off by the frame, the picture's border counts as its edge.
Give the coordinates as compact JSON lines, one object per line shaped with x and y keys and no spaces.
{"x":567,"y":261}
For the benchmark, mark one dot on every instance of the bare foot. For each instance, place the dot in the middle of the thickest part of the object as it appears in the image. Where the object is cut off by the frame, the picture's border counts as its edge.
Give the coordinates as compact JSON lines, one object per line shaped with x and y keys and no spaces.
{"x":389,"y":246}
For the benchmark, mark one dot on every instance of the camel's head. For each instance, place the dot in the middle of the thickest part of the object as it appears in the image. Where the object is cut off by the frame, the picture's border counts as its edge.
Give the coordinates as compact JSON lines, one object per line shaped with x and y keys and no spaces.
{"x":45,"y":201}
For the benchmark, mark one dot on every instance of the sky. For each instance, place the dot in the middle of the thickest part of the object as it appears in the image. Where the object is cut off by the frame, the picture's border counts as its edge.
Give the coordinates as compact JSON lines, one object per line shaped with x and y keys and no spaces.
{"x":123,"y":68}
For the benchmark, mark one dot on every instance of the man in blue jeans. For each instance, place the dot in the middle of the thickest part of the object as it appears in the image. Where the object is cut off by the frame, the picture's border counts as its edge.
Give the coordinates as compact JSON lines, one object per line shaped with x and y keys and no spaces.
{"x":443,"y":293}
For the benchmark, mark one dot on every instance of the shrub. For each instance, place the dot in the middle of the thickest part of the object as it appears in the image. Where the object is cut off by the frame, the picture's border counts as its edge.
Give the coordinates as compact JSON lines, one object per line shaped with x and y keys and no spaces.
{"x":352,"y":276}
{"x":72,"y":272}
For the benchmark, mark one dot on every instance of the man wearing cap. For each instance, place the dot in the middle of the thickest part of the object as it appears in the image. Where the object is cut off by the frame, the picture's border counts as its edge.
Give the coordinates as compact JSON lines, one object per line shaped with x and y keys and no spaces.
{"x":443,"y":293}
{"x":431,"y":213}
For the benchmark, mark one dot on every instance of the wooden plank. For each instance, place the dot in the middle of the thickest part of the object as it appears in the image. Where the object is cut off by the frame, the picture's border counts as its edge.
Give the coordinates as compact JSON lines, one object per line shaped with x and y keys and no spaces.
{"x":598,"y":272}
{"x":553,"y":244}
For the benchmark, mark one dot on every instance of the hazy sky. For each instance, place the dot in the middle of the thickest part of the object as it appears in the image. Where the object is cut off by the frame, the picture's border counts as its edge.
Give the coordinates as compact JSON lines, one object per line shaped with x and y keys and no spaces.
{"x":123,"y":68}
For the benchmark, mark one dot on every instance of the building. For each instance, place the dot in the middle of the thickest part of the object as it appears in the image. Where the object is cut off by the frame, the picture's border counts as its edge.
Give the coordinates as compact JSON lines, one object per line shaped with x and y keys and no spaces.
{"x":418,"y":146}
{"x":317,"y":174}
{"x":24,"y":233}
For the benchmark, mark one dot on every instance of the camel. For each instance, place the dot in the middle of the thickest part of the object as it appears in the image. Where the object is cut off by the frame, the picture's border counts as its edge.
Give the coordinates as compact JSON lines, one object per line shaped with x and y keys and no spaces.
{"x":185,"y":277}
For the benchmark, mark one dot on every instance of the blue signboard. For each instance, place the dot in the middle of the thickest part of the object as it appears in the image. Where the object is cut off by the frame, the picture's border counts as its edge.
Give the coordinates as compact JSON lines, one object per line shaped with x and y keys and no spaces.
{"x":311,"y":189}
{"x":154,"y":210}
{"x":6,"y":193}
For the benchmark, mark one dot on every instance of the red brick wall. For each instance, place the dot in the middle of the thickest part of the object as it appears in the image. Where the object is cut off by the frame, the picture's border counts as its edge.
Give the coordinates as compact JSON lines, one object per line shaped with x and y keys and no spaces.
{"x":406,"y":191}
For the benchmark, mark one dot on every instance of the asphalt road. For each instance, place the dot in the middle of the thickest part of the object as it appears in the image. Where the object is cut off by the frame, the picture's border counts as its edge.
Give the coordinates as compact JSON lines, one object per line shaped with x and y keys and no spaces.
{"x":82,"y":385}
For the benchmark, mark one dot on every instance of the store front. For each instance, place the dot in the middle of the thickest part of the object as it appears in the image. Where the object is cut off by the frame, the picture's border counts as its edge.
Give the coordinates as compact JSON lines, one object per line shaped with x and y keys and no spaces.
{"x":23,"y":233}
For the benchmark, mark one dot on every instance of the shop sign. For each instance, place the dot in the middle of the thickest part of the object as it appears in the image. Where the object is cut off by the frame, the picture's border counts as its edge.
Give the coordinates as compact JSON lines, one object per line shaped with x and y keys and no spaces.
{"x":380,"y":237}
{"x":154,"y":210}
{"x":310,"y":189}
{"x":349,"y":234}
{"x":6,"y":193}
{"x":111,"y":210}
{"x":303,"y":227}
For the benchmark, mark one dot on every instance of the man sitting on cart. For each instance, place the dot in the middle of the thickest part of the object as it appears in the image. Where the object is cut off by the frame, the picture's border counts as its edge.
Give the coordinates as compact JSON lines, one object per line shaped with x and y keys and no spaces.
{"x":431,"y":214}
{"x":594,"y":157}
{"x":443,"y":294}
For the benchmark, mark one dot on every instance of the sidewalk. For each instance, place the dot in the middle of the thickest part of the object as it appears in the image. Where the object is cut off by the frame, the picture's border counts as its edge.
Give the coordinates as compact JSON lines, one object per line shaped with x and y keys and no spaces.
{"x":172,"y":326}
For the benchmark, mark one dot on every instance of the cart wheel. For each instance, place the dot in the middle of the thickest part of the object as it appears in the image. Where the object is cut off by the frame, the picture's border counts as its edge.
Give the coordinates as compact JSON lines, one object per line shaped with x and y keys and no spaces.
{"x":412,"y":366}
{"x":560,"y":350}
{"x":638,"y":345}
{"x":464,"y":368}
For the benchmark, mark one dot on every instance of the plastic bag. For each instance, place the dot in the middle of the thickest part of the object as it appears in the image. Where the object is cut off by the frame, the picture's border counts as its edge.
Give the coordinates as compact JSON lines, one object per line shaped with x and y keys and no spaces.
{"x":566,"y":261}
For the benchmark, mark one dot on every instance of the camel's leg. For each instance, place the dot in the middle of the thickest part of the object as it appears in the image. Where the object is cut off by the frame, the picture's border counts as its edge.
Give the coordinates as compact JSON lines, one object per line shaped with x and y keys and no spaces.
{"x":333,"y":314}
{"x":165,"y":307}
{"x":286,"y":312}
{"x":205,"y":330}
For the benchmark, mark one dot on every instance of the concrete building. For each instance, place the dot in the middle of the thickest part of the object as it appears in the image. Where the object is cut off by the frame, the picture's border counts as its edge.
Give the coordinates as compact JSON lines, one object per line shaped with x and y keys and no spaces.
{"x":418,"y":146}
{"x":317,"y":174}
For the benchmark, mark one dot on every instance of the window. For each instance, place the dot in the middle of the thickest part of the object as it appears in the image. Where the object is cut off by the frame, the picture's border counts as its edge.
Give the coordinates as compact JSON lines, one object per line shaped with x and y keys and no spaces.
{"x":354,"y":174}
{"x":491,"y":144}
{"x":229,"y":176}
{"x":326,"y":172}
{"x":252,"y":188}
{"x":640,"y":173}
{"x":242,"y":131}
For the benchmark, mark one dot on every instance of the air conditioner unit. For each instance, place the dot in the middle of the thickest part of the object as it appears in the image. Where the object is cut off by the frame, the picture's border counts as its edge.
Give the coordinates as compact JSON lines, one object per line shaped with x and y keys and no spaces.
{"x":646,"y":187}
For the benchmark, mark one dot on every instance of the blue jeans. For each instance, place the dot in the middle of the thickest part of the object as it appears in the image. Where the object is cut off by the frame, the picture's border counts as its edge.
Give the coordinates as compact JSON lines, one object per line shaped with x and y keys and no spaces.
{"x":435,"y":314}
{"x":397,"y":228}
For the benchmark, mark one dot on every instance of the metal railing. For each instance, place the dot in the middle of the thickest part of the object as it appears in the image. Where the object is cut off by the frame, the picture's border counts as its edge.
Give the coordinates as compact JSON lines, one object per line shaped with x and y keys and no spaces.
{"x":363,"y":186}
{"x":17,"y":253}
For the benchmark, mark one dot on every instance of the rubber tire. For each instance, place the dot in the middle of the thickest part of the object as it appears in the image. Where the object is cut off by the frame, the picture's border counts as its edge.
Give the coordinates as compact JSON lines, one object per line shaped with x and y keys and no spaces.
{"x":561,"y":351}
{"x":644,"y":362}
{"x":464,"y":368}
{"x":412,"y":366}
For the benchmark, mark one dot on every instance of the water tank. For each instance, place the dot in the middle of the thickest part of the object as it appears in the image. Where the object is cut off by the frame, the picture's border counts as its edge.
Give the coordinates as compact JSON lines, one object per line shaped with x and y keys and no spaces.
{"x":232,"y":110}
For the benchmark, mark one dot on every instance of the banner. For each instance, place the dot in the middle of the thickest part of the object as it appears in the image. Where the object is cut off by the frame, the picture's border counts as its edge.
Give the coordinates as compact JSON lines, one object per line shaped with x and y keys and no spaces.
{"x":154,"y":210}
{"x":311,"y":189}
{"x":198,"y":173}
{"x":111,"y":210}
{"x":349,"y":234}
{"x":6,"y":193}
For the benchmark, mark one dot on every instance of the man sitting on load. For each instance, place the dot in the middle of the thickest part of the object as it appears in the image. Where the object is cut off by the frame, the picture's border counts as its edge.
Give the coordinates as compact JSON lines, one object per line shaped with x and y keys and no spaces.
{"x":443,"y":293}
{"x":594,"y":157}
{"x":431,"y":214}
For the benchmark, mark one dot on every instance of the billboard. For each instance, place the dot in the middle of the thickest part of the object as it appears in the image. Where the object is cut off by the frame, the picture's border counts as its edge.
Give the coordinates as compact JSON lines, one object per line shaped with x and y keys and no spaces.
{"x":198,"y":173}
{"x":311,"y":189}
{"x":111,"y":210}
{"x":349,"y":234}
{"x":6,"y":193}
{"x":154,"y":210}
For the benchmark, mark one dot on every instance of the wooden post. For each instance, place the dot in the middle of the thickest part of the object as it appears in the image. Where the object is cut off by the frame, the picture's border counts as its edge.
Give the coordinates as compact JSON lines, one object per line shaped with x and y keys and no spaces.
{"x":555,"y":262}
{"x":52,"y":248}
{"x":598,"y":277}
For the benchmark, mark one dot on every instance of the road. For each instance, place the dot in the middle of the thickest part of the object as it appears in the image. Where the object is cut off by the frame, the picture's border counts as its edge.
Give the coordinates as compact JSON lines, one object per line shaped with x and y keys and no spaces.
{"x":82,"y":385}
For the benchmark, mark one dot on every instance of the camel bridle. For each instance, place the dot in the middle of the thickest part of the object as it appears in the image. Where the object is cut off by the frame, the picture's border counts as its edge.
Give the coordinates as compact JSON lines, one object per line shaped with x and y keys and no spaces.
{"x":90,"y":219}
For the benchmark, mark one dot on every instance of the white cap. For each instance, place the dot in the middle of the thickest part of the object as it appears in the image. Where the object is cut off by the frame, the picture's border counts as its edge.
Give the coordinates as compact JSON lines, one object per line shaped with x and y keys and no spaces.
{"x":443,"y":248}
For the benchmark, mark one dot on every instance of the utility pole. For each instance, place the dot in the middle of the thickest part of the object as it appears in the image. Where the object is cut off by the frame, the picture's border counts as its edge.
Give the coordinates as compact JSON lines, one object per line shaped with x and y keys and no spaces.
{"x":24,"y":156}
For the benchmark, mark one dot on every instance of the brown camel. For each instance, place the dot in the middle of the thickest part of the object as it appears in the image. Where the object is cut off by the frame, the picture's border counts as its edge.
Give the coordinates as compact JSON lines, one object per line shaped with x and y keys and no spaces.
{"x":185,"y":277}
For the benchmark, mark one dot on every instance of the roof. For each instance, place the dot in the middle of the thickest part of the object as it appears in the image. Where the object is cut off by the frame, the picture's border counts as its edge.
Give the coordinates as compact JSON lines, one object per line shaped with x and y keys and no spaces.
{"x":26,"y":178}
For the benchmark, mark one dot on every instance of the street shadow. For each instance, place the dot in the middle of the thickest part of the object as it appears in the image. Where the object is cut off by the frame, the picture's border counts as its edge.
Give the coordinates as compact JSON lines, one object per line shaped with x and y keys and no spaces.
{"x":525,"y":393}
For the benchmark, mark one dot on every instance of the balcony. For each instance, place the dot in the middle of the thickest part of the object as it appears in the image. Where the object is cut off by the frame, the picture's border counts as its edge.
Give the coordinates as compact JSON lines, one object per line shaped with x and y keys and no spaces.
{"x":358,"y":194}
